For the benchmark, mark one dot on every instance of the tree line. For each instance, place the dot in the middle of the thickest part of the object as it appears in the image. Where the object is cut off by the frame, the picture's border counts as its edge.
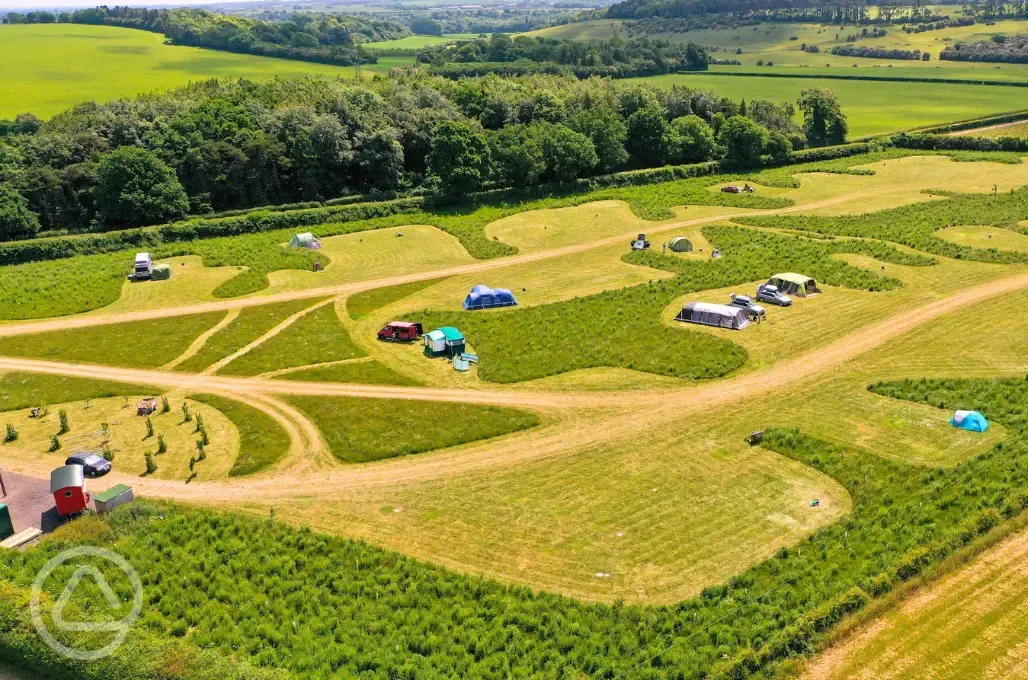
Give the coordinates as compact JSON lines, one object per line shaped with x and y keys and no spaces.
{"x":1000,"y":49}
{"x":617,"y":56}
{"x":325,"y":38}
{"x":219,"y":146}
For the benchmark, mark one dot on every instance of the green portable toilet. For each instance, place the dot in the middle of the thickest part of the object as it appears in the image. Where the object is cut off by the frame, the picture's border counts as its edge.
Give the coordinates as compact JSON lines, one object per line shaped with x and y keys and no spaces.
{"x":6,"y":525}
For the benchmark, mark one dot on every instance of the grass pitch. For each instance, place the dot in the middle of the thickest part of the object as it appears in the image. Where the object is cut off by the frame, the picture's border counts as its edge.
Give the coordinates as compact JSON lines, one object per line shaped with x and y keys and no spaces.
{"x":49,"y":67}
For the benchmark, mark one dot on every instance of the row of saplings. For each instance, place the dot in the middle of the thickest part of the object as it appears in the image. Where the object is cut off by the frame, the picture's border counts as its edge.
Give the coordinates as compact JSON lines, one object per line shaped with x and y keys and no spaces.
{"x":96,"y":455}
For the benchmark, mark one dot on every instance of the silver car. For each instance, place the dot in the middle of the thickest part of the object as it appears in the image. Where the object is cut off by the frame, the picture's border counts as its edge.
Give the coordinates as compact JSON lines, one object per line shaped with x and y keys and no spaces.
{"x":753,"y":310}
{"x":771,"y":294}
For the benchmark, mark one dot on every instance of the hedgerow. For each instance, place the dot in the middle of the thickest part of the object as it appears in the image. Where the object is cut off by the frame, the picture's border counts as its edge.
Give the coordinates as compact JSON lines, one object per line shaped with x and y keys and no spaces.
{"x":324,"y":607}
{"x":915,"y":225}
{"x":624,"y":326}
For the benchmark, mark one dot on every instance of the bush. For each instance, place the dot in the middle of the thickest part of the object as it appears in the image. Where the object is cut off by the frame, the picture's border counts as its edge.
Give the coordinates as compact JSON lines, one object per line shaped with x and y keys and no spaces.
{"x":11,"y":434}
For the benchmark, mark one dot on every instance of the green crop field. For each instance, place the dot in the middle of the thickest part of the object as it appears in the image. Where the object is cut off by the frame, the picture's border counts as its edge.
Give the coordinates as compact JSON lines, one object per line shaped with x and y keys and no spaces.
{"x":773,"y":42}
{"x":415,"y":42}
{"x":582,"y":502}
{"x":872,"y":108}
{"x":49,"y":67}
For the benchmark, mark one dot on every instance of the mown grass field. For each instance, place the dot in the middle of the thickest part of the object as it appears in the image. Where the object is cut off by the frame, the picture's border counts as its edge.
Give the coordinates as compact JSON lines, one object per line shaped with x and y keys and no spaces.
{"x":262,"y":441}
{"x":416,"y":42}
{"x":49,"y":67}
{"x":632,"y":495}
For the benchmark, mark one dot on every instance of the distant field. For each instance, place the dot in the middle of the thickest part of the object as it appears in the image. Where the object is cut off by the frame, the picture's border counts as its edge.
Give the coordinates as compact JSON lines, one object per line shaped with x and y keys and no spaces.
{"x":872,"y":108}
{"x":47,"y":68}
{"x":772,"y":42}
{"x":415,"y":42}
{"x":1015,"y":130}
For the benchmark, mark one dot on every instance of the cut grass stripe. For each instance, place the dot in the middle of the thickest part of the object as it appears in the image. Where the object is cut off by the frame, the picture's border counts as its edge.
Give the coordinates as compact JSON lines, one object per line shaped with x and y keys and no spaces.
{"x":252,"y":323}
{"x":134,"y":344}
{"x":262,"y":441}
{"x":24,"y":390}
{"x":314,"y":338}
{"x":360,"y":372}
{"x":366,"y":302}
{"x":361,"y":430}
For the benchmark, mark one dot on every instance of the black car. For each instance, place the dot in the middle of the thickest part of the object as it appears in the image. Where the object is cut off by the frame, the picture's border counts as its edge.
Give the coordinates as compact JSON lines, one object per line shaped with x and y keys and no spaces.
{"x":92,"y":464}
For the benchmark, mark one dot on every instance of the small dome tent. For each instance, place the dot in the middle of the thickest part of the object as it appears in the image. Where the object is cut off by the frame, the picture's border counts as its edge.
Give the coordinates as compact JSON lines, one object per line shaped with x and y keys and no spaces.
{"x":794,"y":284}
{"x":680,"y":244}
{"x":969,"y":420}
{"x":305,"y":240}
{"x":722,"y":316}
{"x":484,"y":297}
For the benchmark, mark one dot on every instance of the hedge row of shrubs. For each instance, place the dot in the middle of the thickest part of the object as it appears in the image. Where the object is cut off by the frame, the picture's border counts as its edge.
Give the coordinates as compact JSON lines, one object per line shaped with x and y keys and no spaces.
{"x":977,"y":123}
{"x":961,"y":143}
{"x":891,"y":79}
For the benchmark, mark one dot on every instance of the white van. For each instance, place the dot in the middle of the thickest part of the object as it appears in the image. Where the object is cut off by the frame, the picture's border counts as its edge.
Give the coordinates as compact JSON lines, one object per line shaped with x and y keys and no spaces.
{"x":144,"y":267}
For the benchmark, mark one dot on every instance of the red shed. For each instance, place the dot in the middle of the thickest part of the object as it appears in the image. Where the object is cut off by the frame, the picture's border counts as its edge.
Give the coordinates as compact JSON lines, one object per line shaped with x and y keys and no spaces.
{"x":68,"y":485}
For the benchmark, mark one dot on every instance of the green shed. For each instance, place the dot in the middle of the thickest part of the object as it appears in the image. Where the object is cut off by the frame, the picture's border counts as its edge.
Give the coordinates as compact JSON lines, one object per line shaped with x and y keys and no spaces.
{"x":6,"y":525}
{"x":112,"y":498}
{"x":161,"y":272}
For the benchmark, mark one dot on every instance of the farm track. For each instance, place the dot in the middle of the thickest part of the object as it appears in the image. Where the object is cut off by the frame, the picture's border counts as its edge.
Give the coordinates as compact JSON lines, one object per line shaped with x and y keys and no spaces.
{"x":975,"y":131}
{"x":579,"y":429}
{"x":347,"y":289}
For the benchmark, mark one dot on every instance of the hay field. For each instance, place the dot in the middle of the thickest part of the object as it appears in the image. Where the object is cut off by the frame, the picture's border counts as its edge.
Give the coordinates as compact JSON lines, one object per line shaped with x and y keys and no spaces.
{"x":49,"y":67}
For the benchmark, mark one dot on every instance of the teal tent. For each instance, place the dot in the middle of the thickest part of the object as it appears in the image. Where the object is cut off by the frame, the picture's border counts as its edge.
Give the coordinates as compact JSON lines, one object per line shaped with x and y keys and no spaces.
{"x":970,"y":420}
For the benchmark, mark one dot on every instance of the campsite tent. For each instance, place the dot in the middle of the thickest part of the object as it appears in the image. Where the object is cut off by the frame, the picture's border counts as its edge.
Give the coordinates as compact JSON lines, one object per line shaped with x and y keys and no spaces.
{"x":484,"y":297}
{"x":445,"y":341}
{"x":680,"y":244}
{"x":162,"y":272}
{"x":970,"y":420}
{"x":794,"y":284}
{"x":722,"y":316}
{"x":306,"y":240}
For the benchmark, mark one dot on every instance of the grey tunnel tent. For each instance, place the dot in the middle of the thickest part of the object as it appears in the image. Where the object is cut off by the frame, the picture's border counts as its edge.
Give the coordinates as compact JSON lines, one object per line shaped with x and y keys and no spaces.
{"x":722,"y":316}
{"x":794,"y":284}
{"x":680,"y":244}
{"x":305,"y":240}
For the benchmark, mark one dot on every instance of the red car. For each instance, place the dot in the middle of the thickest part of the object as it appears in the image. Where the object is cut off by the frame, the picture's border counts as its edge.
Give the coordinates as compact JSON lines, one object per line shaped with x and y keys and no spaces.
{"x":401,"y":331}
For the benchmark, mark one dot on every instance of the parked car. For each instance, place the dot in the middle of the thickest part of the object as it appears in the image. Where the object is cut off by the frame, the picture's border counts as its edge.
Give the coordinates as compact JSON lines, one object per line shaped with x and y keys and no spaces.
{"x":640,"y":243}
{"x":772,"y":295}
{"x":753,"y":310}
{"x":735,"y":189}
{"x":401,"y":331}
{"x":92,"y":464}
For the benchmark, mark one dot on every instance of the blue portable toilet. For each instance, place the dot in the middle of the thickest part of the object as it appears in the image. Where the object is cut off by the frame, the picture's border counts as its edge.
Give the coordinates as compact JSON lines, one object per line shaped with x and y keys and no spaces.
{"x":970,"y":420}
{"x":484,"y":297}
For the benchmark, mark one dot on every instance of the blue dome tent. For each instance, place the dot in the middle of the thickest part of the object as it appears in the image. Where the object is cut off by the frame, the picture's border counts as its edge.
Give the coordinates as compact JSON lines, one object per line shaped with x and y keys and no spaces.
{"x":484,"y":297}
{"x":970,"y":420}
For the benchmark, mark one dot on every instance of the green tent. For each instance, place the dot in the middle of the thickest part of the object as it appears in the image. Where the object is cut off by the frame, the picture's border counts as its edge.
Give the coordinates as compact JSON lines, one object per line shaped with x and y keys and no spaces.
{"x":680,"y":244}
{"x":794,"y":284}
{"x":161,"y":272}
{"x":445,"y":341}
{"x":305,"y":240}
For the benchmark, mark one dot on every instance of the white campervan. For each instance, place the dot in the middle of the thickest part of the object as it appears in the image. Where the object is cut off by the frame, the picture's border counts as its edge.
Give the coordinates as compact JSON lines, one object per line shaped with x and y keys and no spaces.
{"x":144,"y":267}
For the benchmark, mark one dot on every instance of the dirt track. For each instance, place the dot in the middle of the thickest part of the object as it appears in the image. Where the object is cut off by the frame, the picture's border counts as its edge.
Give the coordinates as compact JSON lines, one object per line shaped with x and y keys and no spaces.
{"x":90,"y":319}
{"x":574,"y":433}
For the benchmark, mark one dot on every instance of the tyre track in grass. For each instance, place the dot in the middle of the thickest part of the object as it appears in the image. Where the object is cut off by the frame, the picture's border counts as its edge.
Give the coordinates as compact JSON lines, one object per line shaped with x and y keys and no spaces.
{"x":573,"y":422}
